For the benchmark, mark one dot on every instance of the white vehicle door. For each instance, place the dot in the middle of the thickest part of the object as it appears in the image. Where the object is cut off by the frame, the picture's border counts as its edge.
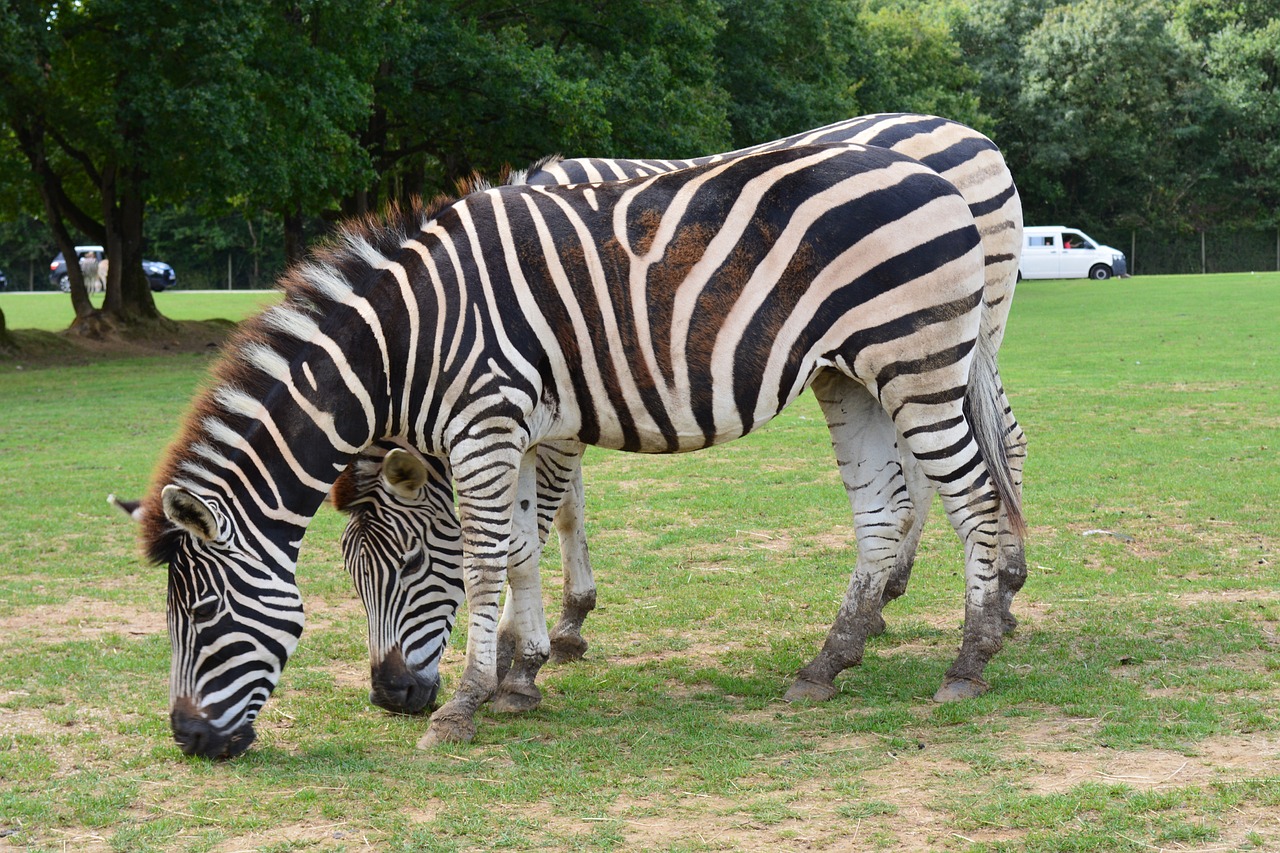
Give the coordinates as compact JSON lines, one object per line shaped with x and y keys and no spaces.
{"x":1041,"y":256}
{"x":1078,"y":255}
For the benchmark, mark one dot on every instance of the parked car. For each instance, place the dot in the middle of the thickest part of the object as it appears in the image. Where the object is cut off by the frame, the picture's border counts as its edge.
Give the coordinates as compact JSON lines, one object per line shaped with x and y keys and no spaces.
{"x":1052,"y":251}
{"x":159,"y":274}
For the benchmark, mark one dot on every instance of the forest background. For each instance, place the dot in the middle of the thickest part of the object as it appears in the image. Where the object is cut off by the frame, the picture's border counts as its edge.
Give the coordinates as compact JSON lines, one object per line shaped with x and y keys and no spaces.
{"x":223,"y":137}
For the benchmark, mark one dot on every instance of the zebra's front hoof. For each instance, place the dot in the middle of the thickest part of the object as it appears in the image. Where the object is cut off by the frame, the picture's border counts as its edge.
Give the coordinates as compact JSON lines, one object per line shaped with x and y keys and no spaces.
{"x":516,"y":699}
{"x":448,"y":730}
{"x":567,"y":648}
{"x":809,"y":691}
{"x":959,"y":689}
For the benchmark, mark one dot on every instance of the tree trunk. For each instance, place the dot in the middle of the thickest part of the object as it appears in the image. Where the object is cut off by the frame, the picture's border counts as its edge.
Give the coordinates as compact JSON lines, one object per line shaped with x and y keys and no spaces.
{"x":7,"y":343}
{"x":128,"y":299}
{"x":294,"y":242}
{"x":88,"y":320}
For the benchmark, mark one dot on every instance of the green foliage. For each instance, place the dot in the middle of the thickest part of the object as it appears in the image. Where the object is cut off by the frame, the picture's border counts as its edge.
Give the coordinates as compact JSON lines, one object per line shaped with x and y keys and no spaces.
{"x":916,"y":66}
{"x":1113,"y":114}
{"x":787,"y":67}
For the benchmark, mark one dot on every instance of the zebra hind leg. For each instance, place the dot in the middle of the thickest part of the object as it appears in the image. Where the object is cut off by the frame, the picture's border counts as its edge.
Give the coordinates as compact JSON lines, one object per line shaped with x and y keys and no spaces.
{"x":961,"y":448}
{"x":864,"y":442}
{"x":920,"y":497}
{"x":579,"y":598}
{"x":1012,"y":558}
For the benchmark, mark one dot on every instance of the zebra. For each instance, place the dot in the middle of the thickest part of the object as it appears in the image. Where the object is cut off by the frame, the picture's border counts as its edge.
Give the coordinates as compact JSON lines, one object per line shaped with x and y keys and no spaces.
{"x":402,"y":546}
{"x":663,"y":314}
{"x":968,"y":160}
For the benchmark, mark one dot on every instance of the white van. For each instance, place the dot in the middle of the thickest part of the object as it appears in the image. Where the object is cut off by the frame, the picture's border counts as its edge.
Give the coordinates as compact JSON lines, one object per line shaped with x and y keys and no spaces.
{"x":1051,"y":251}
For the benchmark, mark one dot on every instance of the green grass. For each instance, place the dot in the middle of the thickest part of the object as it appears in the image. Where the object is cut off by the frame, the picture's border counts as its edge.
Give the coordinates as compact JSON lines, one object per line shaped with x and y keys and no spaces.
{"x":1135,"y":708}
{"x":51,"y":312}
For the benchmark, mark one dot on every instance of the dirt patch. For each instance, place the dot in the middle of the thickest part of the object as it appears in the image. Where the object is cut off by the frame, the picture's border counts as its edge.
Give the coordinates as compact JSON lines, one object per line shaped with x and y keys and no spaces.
{"x":46,"y":349}
{"x":1223,"y":759}
{"x":81,"y":618}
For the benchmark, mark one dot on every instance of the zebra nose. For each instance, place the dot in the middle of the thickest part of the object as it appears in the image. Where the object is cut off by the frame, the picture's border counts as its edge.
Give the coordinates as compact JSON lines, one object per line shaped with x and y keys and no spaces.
{"x":195,"y":736}
{"x":399,"y":689}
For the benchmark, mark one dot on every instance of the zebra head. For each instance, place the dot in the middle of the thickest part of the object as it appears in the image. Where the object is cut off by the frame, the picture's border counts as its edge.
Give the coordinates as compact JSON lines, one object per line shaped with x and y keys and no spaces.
{"x":234,"y":618}
{"x":403,"y":547}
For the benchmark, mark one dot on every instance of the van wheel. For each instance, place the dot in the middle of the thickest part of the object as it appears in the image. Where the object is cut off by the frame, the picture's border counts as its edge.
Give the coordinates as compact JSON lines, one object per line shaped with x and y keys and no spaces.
{"x":1100,"y":272}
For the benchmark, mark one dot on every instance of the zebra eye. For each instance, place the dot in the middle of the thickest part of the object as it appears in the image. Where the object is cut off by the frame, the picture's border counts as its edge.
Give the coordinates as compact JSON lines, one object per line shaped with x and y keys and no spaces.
{"x":414,"y":562}
{"x":205,"y":610}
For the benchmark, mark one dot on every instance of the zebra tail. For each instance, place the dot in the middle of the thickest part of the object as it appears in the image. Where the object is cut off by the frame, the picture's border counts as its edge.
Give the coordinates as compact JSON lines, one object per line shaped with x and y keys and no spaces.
{"x":984,"y":407}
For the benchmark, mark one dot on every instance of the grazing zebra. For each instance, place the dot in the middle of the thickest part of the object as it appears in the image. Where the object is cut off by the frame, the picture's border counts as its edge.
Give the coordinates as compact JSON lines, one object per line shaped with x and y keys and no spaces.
{"x":664,"y":314}
{"x":967,"y":159}
{"x":403,"y":547}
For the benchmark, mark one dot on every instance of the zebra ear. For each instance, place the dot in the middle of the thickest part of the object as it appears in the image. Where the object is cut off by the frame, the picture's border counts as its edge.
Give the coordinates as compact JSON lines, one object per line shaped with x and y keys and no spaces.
{"x":403,"y":472}
{"x":133,"y":509}
{"x":189,"y":512}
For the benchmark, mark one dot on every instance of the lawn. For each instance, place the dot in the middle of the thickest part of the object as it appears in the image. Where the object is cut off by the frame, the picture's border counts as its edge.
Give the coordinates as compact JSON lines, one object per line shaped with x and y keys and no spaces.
{"x":1136,"y":707}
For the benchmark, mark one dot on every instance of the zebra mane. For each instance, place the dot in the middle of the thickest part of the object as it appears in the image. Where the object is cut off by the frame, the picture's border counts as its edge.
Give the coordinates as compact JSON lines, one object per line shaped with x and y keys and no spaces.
{"x":276,"y":333}
{"x":520,"y":177}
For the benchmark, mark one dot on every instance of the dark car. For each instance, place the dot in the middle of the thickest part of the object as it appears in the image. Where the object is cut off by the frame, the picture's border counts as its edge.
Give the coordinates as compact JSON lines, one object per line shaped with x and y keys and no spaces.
{"x":4,"y":282}
{"x":159,"y":274}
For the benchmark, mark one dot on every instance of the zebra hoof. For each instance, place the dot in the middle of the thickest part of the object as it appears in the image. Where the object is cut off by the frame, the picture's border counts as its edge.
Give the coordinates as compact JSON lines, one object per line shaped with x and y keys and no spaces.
{"x":567,"y":648}
{"x":809,"y":691}
{"x":448,"y":730}
{"x":959,"y":689}
{"x":875,"y":625}
{"x":516,"y":700}
{"x":1009,"y":622}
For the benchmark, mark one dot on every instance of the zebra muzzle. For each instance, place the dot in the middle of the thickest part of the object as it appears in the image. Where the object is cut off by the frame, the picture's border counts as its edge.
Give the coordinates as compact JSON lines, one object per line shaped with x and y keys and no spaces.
{"x":398,"y":688}
{"x":195,"y":736}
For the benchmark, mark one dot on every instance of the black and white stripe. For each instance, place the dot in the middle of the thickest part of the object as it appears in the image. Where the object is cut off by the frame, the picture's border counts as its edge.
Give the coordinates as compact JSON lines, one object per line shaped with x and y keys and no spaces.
{"x":884,"y":487}
{"x":663,"y":314}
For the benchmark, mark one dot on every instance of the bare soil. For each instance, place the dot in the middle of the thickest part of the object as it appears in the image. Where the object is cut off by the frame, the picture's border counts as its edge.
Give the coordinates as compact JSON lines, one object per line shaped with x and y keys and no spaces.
{"x":39,"y":349}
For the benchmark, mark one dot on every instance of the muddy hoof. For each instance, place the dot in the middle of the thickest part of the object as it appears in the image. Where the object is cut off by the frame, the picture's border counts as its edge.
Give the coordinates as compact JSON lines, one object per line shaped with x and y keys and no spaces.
{"x":876,"y":625}
{"x":567,"y":648}
{"x":1009,"y":622}
{"x":448,"y":730}
{"x":809,"y":691}
{"x":516,"y":700}
{"x":958,"y":689}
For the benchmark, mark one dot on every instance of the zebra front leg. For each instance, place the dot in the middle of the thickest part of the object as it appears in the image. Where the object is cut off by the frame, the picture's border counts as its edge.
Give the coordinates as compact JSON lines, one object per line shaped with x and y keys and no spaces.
{"x":487,"y":485}
{"x":564,"y":462}
{"x":864,"y":441}
{"x":523,"y":628}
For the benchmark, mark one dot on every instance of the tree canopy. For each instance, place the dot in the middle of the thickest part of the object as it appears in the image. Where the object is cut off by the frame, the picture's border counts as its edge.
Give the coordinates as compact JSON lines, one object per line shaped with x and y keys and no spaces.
{"x":241,"y":128}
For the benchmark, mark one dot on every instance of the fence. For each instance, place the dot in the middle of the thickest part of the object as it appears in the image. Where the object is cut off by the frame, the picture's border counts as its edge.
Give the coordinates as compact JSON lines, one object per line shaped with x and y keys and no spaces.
{"x":1152,"y":252}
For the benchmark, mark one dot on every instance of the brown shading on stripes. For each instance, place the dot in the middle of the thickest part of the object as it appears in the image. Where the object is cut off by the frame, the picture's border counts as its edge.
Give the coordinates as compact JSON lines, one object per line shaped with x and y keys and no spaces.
{"x":664,"y":279}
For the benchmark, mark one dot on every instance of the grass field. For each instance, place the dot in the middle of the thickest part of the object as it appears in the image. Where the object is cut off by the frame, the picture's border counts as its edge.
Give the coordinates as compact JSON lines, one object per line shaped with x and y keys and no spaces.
{"x":1136,"y":708}
{"x":51,"y":312}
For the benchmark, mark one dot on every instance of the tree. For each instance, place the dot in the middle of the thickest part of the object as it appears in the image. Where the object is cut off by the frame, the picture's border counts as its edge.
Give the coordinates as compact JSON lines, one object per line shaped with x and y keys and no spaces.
{"x":467,"y":86}
{"x":1243,"y":66}
{"x":1115,"y":122}
{"x":208,"y":100}
{"x":917,"y":66}
{"x":787,"y":67}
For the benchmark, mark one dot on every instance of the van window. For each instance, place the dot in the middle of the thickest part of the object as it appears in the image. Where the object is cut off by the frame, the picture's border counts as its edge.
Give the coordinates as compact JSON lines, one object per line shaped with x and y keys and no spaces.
{"x":1075,"y":240}
{"x":1037,"y":241}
